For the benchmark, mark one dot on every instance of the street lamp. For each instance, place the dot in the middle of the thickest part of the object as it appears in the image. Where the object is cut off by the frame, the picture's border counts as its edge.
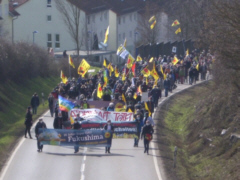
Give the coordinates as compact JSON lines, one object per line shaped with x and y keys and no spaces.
{"x":34,"y":32}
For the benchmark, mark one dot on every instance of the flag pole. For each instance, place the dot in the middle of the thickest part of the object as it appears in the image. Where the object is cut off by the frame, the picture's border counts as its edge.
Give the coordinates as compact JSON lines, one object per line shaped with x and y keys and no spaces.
{"x":183,"y":45}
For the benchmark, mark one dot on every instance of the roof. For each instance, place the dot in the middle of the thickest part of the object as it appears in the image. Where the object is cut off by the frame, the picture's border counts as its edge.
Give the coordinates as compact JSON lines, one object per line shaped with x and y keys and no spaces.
{"x":13,"y":4}
{"x":118,"y":6}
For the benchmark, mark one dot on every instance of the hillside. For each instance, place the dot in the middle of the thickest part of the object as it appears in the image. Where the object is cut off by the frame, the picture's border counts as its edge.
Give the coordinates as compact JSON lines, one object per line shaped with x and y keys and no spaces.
{"x":203,"y":122}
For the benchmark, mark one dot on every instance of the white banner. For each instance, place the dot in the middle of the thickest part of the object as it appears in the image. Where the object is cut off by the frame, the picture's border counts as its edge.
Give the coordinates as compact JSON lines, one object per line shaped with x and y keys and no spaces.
{"x":106,"y":115}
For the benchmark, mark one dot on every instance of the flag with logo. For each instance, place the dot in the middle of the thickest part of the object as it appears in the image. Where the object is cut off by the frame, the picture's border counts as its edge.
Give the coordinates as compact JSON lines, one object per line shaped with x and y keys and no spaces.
{"x":130,"y":61}
{"x":64,"y":78}
{"x":70,"y":61}
{"x":134,"y":69}
{"x":154,"y":73}
{"x":83,"y":68}
{"x":139,"y":58}
{"x":175,"y":23}
{"x":99,"y":91}
{"x":175,"y":60}
{"x":145,"y":72}
{"x":110,"y":69}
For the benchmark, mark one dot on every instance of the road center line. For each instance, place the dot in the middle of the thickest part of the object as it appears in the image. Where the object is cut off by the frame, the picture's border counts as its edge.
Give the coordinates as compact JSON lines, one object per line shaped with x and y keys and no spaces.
{"x":82,"y":177}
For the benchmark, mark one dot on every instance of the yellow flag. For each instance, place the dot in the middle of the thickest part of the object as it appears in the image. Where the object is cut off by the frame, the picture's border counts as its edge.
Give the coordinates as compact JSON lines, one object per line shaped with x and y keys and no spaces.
{"x":146,"y":81}
{"x":197,"y":66}
{"x":125,"y":42}
{"x":187,"y":52}
{"x":120,"y":49}
{"x":151,"y":60}
{"x":129,"y":110}
{"x":83,"y":68}
{"x":123,"y":98}
{"x":153,"y":24}
{"x":64,"y":78}
{"x":106,"y":35}
{"x":104,"y":63}
{"x":139,"y":58}
{"x":99,"y":91}
{"x":164,"y":76}
{"x":116,"y":72}
{"x":152,"y":19}
{"x":135,"y":96}
{"x":146,"y":107}
{"x":71,"y":61}
{"x":178,"y":31}
{"x":175,"y":23}
{"x":123,"y":77}
{"x":110,"y":68}
{"x":161,"y":69}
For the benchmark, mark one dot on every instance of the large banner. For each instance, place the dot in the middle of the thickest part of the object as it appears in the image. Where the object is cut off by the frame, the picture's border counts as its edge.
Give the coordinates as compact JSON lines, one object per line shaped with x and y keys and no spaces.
{"x":105,"y":115}
{"x":121,"y":129}
{"x":61,"y":137}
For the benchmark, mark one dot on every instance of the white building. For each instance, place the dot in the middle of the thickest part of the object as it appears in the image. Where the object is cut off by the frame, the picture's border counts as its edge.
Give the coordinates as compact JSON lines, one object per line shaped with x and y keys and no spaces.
{"x":41,"y":23}
{"x":5,"y":20}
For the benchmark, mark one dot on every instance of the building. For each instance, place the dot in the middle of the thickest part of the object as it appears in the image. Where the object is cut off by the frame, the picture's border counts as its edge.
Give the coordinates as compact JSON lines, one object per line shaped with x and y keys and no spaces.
{"x":41,"y":23}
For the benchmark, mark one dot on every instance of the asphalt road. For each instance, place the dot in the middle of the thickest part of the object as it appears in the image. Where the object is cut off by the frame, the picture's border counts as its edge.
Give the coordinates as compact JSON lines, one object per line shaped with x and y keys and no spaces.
{"x":60,"y":163}
{"x":124,"y":163}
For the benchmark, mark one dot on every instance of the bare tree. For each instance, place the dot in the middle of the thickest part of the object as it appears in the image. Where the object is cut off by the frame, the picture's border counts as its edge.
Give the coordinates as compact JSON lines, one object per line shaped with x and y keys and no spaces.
{"x":71,"y":16}
{"x":147,"y":34}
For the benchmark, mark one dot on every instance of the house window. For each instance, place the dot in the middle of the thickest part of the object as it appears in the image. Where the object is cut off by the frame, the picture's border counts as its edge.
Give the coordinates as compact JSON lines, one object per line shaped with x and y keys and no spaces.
{"x":123,"y":35}
{"x":49,"y":3}
{"x":93,"y":18}
{"x":135,"y":16}
{"x":119,"y":37}
{"x":130,"y":34}
{"x":101,"y":34}
{"x":130,"y":17}
{"x":57,"y":41}
{"x":6,"y":9}
{"x":124,"y":19}
{"x":49,"y":18}
{"x":119,"y":20}
{"x":105,"y":15}
{"x":49,"y":40}
{"x":0,"y":10}
{"x":88,"y":19}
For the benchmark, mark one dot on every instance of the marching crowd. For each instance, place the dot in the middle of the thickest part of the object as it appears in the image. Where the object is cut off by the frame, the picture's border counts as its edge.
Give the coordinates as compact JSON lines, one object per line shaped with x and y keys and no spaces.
{"x":127,"y":87}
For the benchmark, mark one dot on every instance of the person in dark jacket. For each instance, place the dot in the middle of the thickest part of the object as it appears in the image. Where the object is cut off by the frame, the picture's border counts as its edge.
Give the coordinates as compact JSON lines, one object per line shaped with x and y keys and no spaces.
{"x":139,"y":122}
{"x":58,"y":121}
{"x":28,"y":122}
{"x":155,"y":93}
{"x":39,"y":125}
{"x":50,"y":103}
{"x":147,"y":132}
{"x":166,"y":84}
{"x":76,"y":126}
{"x":35,"y":103}
{"x":109,"y":127}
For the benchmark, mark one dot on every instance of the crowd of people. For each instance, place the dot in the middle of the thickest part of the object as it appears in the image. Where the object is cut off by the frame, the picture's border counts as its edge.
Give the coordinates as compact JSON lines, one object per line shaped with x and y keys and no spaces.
{"x":125,"y":88}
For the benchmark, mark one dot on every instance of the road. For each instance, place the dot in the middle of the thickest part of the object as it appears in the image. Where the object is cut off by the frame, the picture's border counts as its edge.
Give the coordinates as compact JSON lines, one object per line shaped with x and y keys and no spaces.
{"x":124,"y":163}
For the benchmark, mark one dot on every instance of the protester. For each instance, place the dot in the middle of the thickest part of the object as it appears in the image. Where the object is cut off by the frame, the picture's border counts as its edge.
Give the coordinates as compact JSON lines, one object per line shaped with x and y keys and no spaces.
{"x":76,"y":126}
{"x":28,"y":122}
{"x":35,"y":103}
{"x":50,"y":103}
{"x":139,"y":122}
{"x":146,"y":133}
{"x":110,"y":107}
{"x":40,"y":125}
{"x":109,"y":127}
{"x":58,"y":121}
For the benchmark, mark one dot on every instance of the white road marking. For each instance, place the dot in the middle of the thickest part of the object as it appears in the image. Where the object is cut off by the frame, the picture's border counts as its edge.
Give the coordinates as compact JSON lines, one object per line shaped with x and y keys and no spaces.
{"x":83,"y":164}
{"x":155,"y":161}
{"x":14,"y":153}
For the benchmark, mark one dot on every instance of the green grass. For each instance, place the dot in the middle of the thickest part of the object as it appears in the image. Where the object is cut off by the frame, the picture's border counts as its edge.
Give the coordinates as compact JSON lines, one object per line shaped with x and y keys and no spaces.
{"x":184,"y":118}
